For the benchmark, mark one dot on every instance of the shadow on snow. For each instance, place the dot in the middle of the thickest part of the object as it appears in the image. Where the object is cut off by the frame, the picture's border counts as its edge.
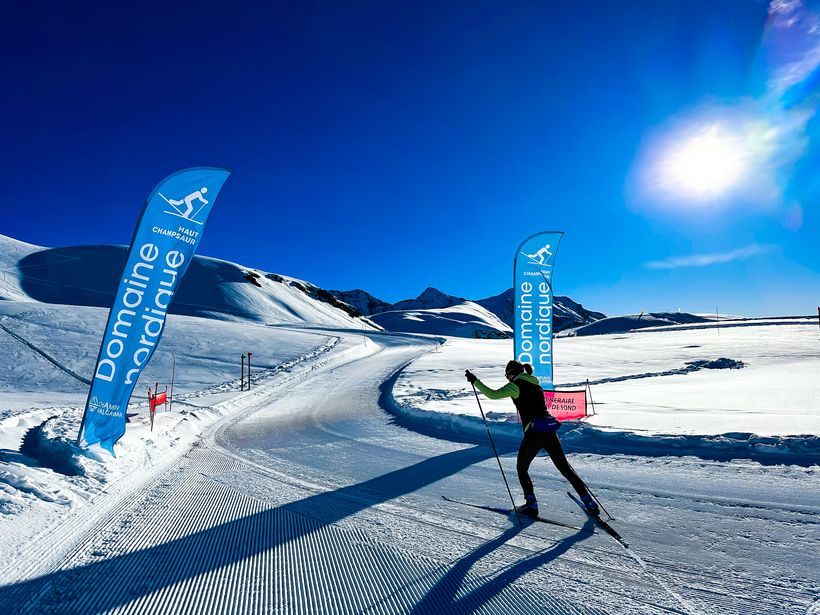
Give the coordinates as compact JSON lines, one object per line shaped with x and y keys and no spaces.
{"x":118,"y":580}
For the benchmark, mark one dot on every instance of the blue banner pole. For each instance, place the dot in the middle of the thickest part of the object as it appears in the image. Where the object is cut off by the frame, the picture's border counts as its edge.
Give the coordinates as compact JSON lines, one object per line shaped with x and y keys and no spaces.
{"x":533,"y":303}
{"x":167,"y":235}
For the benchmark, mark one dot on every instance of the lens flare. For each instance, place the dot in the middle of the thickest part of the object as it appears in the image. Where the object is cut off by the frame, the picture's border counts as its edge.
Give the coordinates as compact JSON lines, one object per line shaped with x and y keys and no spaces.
{"x":705,"y":165}
{"x":744,"y":154}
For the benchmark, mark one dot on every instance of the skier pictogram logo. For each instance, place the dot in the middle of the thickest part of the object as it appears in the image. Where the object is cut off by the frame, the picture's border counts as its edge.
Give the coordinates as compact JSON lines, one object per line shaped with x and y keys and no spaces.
{"x":184,"y":207}
{"x":540,"y":257}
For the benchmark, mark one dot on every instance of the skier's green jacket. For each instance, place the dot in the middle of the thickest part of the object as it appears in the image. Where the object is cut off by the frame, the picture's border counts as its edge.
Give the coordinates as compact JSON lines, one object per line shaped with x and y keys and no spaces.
{"x":508,"y":390}
{"x":528,"y":397}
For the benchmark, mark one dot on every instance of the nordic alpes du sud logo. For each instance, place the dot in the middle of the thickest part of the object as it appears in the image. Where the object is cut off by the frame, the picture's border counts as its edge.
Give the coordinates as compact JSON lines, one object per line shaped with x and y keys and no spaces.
{"x":105,"y":408}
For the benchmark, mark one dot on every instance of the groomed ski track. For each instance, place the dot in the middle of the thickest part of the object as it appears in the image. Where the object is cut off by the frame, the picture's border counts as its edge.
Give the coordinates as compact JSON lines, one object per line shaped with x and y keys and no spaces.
{"x":314,"y":498}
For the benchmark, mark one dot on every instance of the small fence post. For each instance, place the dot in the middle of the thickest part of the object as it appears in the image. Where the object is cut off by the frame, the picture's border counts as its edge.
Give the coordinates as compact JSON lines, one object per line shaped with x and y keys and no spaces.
{"x":151,"y":406}
{"x":249,"y":370}
{"x":242,"y":377}
{"x":589,"y":388}
{"x":173,"y":373}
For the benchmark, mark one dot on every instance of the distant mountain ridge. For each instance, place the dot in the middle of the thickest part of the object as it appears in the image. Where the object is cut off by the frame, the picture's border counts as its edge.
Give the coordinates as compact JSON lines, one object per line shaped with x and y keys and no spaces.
{"x":363,"y":301}
{"x":566,"y":313}
{"x":436,"y":312}
{"x":214,"y":288}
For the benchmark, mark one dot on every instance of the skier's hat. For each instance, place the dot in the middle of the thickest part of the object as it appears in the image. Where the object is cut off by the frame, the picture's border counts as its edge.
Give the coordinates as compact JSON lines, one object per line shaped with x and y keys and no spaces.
{"x":514,"y":368}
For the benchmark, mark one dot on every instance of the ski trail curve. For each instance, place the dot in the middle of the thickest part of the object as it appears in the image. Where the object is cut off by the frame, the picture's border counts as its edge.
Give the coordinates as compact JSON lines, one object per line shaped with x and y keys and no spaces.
{"x":309,"y":499}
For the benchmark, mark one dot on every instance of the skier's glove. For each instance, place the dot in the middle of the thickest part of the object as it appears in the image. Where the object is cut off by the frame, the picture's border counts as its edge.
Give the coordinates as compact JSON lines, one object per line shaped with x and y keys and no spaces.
{"x":471,"y":377}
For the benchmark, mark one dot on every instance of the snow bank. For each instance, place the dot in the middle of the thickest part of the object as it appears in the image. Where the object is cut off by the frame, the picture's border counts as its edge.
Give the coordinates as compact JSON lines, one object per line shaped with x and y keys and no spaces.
{"x":744,"y":393}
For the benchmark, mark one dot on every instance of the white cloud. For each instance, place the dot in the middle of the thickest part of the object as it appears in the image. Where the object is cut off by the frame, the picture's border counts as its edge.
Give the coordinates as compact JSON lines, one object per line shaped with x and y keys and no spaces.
{"x":716,"y":258}
{"x":799,"y":47}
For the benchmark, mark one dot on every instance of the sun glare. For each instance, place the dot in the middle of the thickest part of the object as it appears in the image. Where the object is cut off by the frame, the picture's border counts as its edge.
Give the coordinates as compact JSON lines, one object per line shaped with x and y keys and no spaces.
{"x":703,"y":166}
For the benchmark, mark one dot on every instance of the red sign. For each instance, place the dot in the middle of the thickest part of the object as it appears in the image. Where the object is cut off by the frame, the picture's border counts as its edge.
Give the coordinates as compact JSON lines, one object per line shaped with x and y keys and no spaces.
{"x":158,"y":399}
{"x":566,"y":405}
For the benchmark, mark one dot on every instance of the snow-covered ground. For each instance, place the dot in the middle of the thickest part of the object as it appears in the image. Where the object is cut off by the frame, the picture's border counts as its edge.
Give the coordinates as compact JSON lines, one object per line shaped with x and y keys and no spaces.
{"x":654,"y":392}
{"x":48,"y":352}
{"x":320,"y":489}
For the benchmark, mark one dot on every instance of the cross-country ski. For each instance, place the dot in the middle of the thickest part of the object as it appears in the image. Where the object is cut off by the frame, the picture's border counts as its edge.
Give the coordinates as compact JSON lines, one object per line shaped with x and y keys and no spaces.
{"x":509,"y":512}
{"x":604,"y":525}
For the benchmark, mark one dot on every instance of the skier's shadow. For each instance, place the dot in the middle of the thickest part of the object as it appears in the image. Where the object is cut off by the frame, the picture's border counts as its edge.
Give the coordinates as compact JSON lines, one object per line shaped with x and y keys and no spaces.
{"x":138,"y":573}
{"x":448,"y":594}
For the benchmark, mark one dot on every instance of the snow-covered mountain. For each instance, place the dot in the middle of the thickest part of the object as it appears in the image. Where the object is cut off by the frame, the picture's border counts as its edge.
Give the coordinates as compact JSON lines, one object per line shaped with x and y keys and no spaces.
{"x":363,"y":301}
{"x":213,"y":288}
{"x":566,"y":313}
{"x":432,"y":312}
{"x":429,"y":299}
{"x":438,"y":313}
{"x":465,"y":319}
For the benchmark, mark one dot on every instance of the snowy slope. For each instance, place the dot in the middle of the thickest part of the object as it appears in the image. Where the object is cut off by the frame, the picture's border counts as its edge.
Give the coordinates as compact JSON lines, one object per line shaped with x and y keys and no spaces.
{"x":11,"y":253}
{"x":465,"y":319}
{"x":633,"y":322}
{"x":88,"y":276}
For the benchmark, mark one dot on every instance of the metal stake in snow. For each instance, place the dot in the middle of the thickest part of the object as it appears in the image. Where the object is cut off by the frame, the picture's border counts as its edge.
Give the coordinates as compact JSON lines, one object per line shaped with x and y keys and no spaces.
{"x":592,"y":401}
{"x":173,"y":373}
{"x":506,"y":484}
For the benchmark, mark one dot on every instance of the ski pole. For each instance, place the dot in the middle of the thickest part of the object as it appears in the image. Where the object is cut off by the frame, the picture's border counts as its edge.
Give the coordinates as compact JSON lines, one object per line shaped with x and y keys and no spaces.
{"x":599,"y":503}
{"x":591,"y":493}
{"x":497,"y":458}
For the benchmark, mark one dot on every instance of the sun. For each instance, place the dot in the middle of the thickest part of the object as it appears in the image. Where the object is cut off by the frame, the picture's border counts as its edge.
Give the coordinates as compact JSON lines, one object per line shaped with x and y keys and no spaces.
{"x":703,"y":166}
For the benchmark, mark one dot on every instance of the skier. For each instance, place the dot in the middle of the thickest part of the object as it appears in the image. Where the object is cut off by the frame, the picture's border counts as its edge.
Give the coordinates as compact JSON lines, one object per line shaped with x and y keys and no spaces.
{"x":539,"y":432}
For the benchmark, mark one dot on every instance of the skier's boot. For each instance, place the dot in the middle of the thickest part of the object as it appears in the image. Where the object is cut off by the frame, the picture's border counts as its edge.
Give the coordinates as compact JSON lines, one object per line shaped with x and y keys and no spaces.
{"x":529,"y":507}
{"x":591,"y":505}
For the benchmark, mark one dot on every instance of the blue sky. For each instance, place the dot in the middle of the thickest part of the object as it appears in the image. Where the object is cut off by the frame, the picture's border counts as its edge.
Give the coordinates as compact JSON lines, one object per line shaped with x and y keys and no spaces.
{"x":392,"y":146}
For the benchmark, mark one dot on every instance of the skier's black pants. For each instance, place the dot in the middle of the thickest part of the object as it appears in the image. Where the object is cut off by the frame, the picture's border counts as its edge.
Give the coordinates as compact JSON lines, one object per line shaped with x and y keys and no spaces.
{"x":534,"y":442}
